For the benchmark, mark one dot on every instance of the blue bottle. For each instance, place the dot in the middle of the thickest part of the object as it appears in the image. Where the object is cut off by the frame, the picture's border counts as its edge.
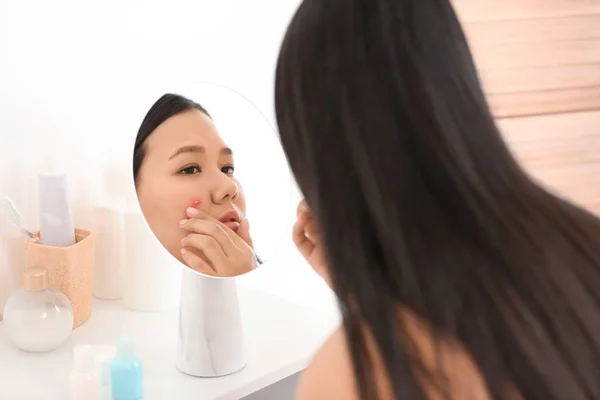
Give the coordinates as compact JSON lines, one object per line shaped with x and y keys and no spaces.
{"x":126,"y":375}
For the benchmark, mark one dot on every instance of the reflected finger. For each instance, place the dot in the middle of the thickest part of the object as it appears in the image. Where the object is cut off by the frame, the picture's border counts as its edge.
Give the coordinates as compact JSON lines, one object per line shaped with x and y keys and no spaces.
{"x":196,"y":263}
{"x":197,"y":214}
{"x":208,"y":245}
{"x":210,"y":228}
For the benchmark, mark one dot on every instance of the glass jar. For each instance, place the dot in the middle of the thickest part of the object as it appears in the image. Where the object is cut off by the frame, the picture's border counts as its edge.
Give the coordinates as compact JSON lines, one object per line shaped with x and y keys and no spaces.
{"x":37,"y":317}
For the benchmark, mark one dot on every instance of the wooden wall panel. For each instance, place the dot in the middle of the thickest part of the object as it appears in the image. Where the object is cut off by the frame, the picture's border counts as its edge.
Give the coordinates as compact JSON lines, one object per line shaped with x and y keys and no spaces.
{"x":540,"y":79}
{"x":562,"y":151}
{"x":539,"y":62}
{"x":535,"y":29}
{"x":545,"y":101}
{"x":535,"y":56}
{"x":496,"y":10}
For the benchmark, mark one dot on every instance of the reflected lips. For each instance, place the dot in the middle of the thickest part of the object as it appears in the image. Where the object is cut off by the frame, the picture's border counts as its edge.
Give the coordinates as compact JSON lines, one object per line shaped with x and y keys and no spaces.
{"x":231,"y":220}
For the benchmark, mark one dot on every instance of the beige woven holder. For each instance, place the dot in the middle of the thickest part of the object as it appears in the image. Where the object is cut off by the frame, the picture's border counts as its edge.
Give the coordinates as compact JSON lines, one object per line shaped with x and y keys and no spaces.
{"x":70,"y":269}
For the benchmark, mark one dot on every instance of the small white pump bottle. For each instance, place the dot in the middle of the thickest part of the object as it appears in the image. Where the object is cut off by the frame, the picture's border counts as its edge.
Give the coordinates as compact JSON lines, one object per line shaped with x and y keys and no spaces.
{"x":84,"y":379}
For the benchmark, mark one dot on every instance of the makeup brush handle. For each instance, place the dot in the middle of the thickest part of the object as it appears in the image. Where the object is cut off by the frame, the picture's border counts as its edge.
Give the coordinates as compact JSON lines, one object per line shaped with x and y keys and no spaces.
{"x":27,"y":233}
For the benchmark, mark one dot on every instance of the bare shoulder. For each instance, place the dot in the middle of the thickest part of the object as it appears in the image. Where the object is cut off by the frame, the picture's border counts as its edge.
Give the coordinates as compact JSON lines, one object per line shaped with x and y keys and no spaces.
{"x":329,"y":374}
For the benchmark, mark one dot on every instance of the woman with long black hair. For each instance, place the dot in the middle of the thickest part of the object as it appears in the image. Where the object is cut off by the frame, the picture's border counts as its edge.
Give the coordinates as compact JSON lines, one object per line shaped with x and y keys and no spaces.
{"x":457,"y":275}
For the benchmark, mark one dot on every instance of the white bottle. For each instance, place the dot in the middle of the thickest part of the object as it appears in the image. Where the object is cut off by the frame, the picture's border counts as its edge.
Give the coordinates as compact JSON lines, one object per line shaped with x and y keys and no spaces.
{"x":153,"y":275}
{"x":104,"y":354}
{"x":84,"y":379}
{"x":12,"y":260}
{"x":109,"y":230}
{"x":56,"y":218}
{"x":38,"y":317}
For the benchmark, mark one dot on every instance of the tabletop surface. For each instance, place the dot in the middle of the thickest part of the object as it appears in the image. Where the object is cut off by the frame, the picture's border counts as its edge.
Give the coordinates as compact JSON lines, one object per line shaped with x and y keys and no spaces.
{"x":280,"y":336}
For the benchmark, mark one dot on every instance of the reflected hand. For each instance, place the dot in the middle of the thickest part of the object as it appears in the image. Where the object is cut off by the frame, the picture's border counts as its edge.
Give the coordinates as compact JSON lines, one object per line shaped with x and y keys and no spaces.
{"x":213,"y":249}
{"x":244,"y":232}
{"x":306,"y":237}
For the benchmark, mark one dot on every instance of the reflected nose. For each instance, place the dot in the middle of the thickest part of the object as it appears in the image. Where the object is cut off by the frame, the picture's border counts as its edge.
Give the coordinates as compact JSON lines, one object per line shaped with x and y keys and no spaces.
{"x":226,"y":189}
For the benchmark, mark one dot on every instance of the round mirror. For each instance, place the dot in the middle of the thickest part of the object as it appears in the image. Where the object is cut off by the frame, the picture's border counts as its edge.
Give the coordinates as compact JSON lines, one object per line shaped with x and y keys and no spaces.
{"x":211,"y":179}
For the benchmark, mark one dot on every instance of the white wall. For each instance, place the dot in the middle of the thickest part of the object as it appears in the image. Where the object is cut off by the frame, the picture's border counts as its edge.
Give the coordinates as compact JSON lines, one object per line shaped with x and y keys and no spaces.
{"x":77,"y":77}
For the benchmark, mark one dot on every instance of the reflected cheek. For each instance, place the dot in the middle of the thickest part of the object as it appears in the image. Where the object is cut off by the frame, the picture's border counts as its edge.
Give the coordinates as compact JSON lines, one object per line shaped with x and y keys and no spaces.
{"x":162,"y":212}
{"x":163,"y":201}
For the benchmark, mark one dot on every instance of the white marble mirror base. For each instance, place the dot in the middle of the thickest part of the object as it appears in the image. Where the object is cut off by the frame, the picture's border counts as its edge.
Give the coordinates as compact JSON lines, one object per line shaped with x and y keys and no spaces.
{"x":210,"y":341}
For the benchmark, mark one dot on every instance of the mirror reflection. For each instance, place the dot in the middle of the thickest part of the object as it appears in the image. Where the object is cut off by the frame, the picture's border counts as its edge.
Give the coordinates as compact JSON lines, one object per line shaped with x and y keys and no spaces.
{"x":188,"y":190}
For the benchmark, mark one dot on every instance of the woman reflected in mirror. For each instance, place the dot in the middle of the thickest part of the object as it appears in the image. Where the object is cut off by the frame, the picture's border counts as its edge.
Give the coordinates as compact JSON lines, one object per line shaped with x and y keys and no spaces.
{"x":185,"y":182}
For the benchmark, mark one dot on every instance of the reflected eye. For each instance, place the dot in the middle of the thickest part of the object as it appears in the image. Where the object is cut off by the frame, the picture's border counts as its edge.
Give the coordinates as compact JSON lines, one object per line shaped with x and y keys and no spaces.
{"x":192,"y":169}
{"x":228,"y":170}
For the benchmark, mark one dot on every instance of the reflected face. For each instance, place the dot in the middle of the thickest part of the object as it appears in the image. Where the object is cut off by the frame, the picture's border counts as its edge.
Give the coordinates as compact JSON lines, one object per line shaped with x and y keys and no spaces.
{"x":186,"y":164}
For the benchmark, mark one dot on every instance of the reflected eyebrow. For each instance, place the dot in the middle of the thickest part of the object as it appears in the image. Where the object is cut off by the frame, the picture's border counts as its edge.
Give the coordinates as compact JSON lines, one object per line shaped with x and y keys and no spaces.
{"x":187,"y":149}
{"x":227,"y":151}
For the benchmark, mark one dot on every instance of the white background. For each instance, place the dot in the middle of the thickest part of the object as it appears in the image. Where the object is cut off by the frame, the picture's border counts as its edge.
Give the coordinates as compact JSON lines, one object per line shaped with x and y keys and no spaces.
{"x":77,"y":77}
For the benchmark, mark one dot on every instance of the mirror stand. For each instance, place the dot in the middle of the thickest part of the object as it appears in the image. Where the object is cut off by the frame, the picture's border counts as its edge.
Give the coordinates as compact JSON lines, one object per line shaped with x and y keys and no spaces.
{"x":210,"y":341}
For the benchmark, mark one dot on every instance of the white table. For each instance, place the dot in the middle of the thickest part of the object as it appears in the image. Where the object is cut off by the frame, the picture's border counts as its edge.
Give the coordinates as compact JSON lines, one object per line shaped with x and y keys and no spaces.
{"x":281,"y":337}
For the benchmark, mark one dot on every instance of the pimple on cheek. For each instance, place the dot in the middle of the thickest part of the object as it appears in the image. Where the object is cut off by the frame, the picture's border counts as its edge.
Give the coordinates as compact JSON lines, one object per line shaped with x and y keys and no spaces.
{"x":195,"y":203}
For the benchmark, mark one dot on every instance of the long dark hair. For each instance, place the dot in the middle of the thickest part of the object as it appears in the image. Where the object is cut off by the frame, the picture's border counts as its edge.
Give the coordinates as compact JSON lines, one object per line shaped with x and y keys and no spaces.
{"x":422,"y":205}
{"x":164,"y":108}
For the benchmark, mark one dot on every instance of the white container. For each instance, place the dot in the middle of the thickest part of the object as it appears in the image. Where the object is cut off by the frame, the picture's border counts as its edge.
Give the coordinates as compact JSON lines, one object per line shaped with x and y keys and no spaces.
{"x":103,"y":355}
{"x":37,"y":318}
{"x":117,"y":183}
{"x":109,"y":268}
{"x":84,"y":195}
{"x":56,"y":218}
{"x":153,"y":275}
{"x":12,"y":261}
{"x":85,"y":382}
